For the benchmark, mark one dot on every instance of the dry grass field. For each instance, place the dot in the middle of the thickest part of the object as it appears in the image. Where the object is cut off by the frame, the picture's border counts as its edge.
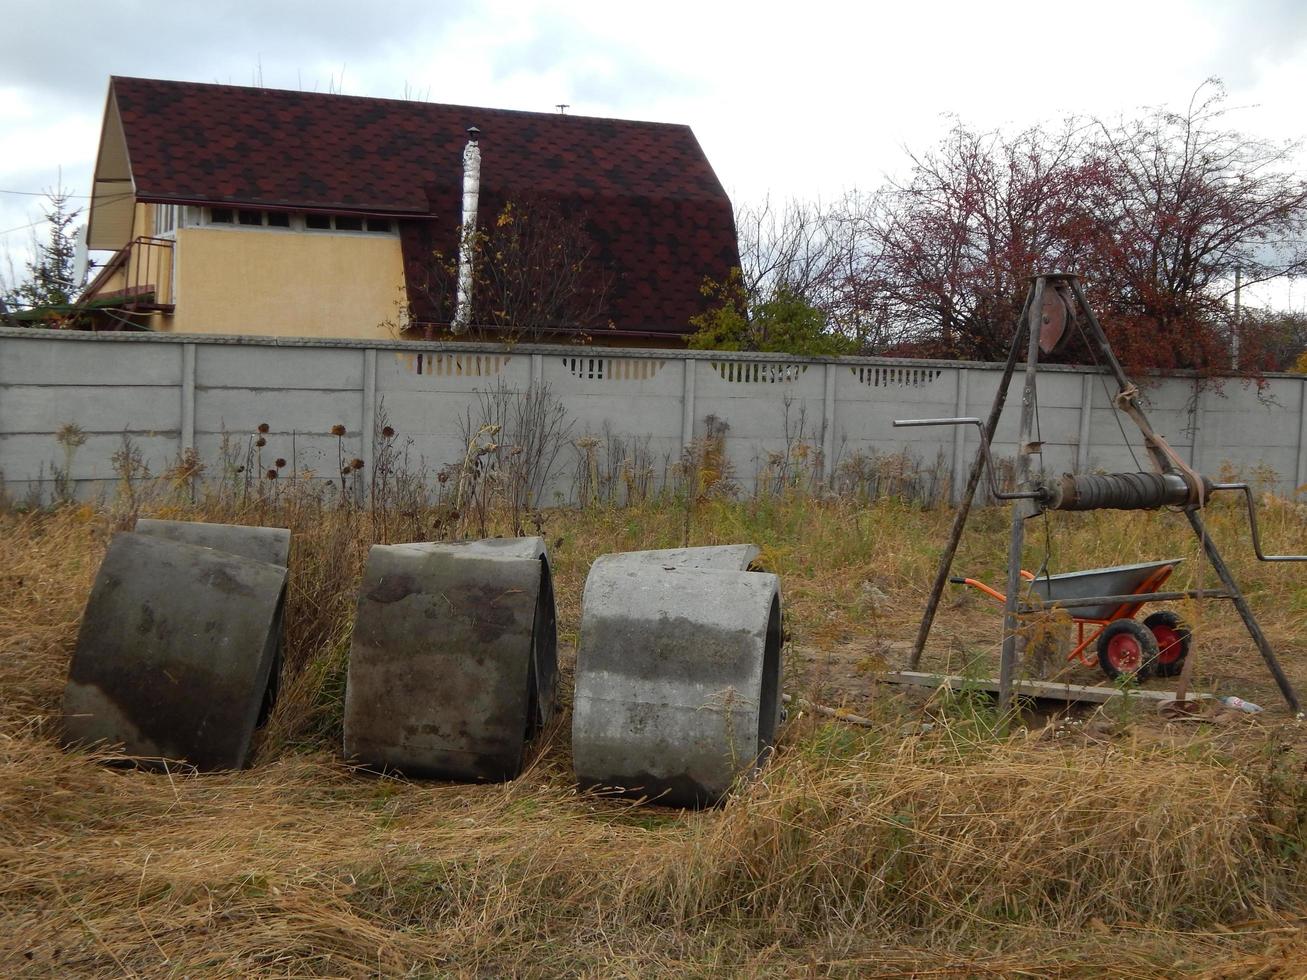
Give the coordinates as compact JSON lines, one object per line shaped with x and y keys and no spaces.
{"x":930,"y":843}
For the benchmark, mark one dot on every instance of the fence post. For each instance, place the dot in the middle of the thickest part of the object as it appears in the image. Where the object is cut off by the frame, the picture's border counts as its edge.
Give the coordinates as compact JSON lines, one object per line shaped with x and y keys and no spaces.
{"x":958,"y":480}
{"x":1199,"y":417}
{"x":687,"y":404}
{"x":828,"y":427}
{"x":1086,"y":417}
{"x":188,"y":397}
{"x":537,"y":370}
{"x":1302,"y":437}
{"x":368,"y":432}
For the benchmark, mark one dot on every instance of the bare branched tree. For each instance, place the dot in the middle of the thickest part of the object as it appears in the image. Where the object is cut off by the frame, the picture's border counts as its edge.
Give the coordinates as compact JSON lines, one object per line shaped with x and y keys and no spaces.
{"x":955,"y":242}
{"x":536,"y":273}
{"x":1156,"y":212}
{"x":1180,"y":201}
{"x":818,"y":253}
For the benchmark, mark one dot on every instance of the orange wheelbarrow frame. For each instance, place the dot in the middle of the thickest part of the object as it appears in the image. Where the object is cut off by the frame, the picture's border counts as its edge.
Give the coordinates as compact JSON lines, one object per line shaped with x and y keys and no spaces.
{"x":1083,"y":651}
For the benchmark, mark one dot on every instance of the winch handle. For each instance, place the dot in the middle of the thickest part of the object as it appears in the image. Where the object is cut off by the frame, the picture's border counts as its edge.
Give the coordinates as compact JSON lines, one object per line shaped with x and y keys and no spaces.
{"x":1252,"y":523}
{"x":984,"y":452}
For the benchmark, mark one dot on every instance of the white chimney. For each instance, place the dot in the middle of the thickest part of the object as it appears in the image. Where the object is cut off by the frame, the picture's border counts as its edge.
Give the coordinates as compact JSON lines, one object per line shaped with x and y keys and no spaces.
{"x":468,"y":230}
{"x":80,"y":257}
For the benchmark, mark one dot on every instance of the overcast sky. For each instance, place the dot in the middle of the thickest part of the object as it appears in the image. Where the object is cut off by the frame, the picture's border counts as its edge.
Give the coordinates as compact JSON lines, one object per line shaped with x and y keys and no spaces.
{"x":797,"y":99}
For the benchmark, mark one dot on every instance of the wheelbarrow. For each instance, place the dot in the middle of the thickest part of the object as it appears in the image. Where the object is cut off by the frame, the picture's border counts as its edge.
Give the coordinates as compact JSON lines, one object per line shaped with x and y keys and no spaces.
{"x":1123,"y":647}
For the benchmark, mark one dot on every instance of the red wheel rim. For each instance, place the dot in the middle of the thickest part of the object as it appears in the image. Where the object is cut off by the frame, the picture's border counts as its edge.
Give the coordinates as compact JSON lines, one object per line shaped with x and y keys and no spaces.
{"x":1124,"y":654}
{"x":1168,"y":642}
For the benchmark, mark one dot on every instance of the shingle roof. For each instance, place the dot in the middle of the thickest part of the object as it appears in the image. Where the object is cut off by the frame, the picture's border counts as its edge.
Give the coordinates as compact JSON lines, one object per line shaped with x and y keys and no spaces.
{"x":649,"y":198}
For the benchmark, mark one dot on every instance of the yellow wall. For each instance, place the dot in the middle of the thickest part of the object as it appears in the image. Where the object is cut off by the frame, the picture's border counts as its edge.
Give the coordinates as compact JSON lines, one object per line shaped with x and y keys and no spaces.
{"x":286,"y":283}
{"x":146,"y":265}
{"x":143,"y":220}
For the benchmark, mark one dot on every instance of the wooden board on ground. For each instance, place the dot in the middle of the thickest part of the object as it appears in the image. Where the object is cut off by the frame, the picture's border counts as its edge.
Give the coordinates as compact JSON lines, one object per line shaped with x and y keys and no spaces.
{"x":1039,"y":690}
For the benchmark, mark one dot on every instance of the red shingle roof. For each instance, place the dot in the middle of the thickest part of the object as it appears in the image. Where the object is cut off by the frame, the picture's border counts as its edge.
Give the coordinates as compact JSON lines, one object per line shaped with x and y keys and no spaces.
{"x":648,"y":196}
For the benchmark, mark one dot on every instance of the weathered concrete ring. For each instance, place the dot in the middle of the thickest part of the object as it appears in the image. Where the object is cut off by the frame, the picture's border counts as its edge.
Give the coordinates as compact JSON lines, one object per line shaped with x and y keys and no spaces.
{"x":270,"y":544}
{"x":454,"y":661}
{"x":678,"y":674}
{"x":175,"y":652}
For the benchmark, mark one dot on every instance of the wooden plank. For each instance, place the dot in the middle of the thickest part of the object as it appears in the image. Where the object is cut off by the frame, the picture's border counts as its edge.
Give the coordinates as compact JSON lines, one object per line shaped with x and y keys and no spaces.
{"x":1039,"y":690}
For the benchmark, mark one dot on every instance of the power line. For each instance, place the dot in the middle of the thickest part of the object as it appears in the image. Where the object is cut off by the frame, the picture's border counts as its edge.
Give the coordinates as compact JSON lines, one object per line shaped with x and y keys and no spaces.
{"x":43,"y":194}
{"x":30,"y":224}
{"x":40,"y":221}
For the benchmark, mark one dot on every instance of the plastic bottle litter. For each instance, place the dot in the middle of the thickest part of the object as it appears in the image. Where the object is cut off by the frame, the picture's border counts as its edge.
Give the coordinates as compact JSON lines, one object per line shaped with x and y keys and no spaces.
{"x":1239,"y":704}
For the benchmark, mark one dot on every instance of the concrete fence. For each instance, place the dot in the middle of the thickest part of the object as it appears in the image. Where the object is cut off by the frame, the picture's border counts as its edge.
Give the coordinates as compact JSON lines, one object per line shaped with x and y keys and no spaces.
{"x":171,"y":393}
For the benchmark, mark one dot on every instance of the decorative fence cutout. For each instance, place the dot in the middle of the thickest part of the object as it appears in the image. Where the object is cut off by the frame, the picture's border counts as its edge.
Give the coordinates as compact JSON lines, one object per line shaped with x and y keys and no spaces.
{"x":461,"y":365}
{"x":895,"y":377}
{"x":612,"y":368}
{"x":759,"y":372}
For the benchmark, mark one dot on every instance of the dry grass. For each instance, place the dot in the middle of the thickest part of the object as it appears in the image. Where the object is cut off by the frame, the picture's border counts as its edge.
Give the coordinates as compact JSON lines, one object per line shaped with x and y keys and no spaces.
{"x":860,"y":853}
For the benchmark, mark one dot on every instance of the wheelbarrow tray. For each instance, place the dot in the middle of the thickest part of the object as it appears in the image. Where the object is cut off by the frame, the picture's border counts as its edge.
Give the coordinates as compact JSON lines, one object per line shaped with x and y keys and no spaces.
{"x":1114,"y":580}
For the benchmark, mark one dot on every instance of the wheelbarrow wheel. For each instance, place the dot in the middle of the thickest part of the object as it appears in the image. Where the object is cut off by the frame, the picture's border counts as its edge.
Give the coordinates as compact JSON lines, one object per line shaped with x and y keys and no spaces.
{"x":1127,"y":649}
{"x":1173,"y":637}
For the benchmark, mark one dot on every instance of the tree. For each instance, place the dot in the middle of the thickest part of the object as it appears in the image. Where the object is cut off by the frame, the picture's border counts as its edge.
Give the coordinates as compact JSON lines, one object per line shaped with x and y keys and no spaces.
{"x":784,"y":322}
{"x":50,"y":281}
{"x":956,"y":242}
{"x":1180,"y":202}
{"x":1273,"y":340}
{"x":535,"y":272}
{"x":1155,"y":212}
{"x":813,"y":252}
{"x":791,"y":246}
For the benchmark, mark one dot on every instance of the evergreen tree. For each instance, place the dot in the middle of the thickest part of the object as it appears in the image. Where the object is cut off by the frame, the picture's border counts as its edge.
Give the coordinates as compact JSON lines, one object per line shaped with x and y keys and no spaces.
{"x":50,"y":280}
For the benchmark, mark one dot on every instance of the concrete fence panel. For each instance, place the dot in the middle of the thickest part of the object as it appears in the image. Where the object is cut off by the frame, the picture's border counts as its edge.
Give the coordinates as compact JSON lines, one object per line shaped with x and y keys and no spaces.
{"x":169,"y":393}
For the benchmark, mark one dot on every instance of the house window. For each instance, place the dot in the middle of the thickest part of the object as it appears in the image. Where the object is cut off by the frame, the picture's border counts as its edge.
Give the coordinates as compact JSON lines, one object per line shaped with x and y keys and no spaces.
{"x":348,"y":222}
{"x":311,"y":221}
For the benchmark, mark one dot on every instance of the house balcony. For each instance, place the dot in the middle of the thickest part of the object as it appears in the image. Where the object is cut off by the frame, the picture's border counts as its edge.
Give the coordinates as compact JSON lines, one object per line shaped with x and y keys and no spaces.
{"x":137,"y":280}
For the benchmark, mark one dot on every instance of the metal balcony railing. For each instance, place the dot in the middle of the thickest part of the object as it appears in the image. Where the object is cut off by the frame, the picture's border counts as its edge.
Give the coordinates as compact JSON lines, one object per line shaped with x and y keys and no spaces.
{"x":149,"y":273}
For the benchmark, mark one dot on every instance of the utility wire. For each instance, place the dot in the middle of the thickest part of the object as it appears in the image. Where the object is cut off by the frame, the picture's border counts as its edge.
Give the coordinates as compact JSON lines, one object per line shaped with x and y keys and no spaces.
{"x":44,"y":194}
{"x":40,"y":221}
{"x":30,"y":224}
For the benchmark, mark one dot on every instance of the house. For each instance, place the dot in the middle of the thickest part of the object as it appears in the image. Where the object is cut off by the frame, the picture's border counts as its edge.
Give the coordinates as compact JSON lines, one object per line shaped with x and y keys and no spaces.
{"x":241,"y":210}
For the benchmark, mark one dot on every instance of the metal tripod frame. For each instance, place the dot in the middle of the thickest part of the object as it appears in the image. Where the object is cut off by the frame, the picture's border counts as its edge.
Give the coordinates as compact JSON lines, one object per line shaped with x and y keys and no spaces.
{"x":1127,"y":401}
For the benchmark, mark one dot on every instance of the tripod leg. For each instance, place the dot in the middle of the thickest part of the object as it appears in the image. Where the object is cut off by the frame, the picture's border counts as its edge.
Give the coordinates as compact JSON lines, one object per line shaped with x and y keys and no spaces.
{"x":1020,"y":509}
{"x":1245,"y":611}
{"x":964,"y":506}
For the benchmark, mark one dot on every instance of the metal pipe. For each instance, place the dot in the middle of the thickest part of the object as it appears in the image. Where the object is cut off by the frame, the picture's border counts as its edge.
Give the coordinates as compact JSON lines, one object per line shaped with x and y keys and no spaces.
{"x":1008,"y":657}
{"x":1130,"y":599}
{"x":1245,"y":611}
{"x":1118,"y":491}
{"x":1037,"y":494}
{"x":1252,"y":523}
{"x":1124,"y":384}
{"x":468,"y":230}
